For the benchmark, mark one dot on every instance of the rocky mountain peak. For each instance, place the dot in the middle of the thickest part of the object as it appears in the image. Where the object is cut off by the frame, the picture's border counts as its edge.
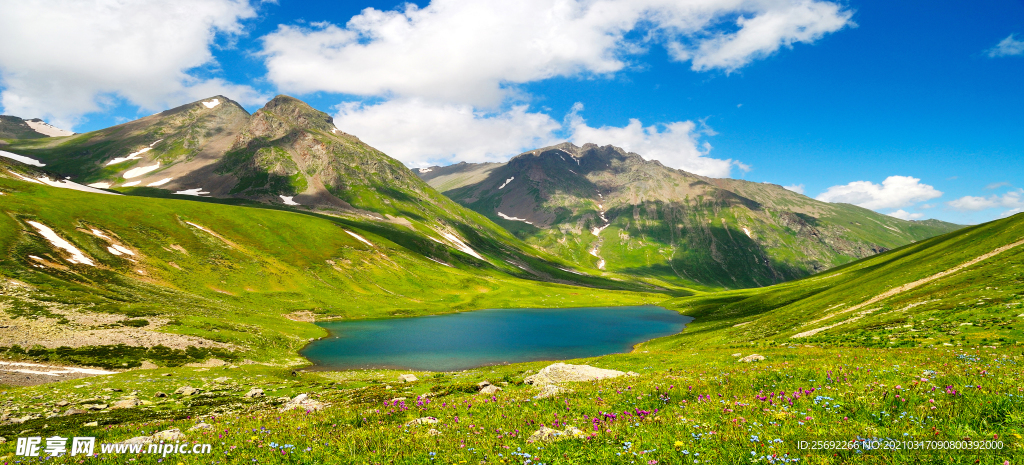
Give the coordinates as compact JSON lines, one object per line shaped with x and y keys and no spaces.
{"x":297,"y":113}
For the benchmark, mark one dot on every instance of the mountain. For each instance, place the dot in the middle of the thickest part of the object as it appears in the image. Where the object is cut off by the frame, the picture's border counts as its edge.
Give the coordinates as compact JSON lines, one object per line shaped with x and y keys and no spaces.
{"x":287,"y":155}
{"x":603,"y":208}
{"x":12,"y":127}
{"x":78,"y":269}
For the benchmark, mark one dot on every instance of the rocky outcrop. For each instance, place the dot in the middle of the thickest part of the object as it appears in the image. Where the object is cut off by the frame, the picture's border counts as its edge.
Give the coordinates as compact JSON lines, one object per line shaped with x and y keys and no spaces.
{"x":562,"y":372}
{"x":752,"y":358}
{"x":169,"y":435}
{"x":302,"y":401}
{"x":187,"y":391}
{"x":126,"y":403}
{"x":490,"y":390}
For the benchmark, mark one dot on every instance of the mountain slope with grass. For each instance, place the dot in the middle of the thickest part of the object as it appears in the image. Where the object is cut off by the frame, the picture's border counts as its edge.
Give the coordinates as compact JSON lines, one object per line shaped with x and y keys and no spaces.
{"x":79,"y":269}
{"x":603,"y":208}
{"x":961,"y":289}
{"x":287,"y":155}
{"x":692,"y":396}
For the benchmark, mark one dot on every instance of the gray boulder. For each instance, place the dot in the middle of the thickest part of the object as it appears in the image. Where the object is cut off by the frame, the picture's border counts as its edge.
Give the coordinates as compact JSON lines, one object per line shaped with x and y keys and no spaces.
{"x":126,"y":403}
{"x":173,"y":434}
{"x":562,"y":372}
{"x":490,"y":389}
{"x":187,"y":391}
{"x":304,"y":402}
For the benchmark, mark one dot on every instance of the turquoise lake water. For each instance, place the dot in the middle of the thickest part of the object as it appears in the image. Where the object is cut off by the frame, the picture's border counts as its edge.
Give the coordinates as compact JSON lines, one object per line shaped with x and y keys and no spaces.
{"x":489,"y":337}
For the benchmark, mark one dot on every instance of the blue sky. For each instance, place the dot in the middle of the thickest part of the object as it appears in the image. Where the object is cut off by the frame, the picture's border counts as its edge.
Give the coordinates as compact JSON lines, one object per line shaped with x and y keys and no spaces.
{"x":909,"y":108}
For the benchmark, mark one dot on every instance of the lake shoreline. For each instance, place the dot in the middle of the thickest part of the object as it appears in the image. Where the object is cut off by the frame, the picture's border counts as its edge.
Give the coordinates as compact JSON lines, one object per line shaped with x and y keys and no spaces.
{"x":489,"y":337}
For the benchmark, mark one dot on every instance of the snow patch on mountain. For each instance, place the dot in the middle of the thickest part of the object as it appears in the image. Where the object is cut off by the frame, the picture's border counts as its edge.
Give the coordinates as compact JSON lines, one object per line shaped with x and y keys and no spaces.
{"x":196,"y":192}
{"x":358,"y":237}
{"x":63,"y":184}
{"x":512,"y":218}
{"x":76,"y":255}
{"x":459,"y":244}
{"x":136,"y":172}
{"x":117,"y":249}
{"x":21,"y":158}
{"x":131,"y":156}
{"x":23,"y":177}
{"x":438,"y":261}
{"x":43,"y":128}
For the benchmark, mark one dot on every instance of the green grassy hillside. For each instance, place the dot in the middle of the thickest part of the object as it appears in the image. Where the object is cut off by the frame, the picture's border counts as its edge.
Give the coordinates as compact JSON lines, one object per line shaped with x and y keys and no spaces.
{"x":229,"y":274}
{"x":288,"y":155}
{"x":925,"y":400}
{"x":964,"y":288}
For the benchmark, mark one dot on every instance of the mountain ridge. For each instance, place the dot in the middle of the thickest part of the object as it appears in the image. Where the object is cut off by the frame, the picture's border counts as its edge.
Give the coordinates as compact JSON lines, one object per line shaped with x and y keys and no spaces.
{"x":288,"y":155}
{"x":604,"y":208}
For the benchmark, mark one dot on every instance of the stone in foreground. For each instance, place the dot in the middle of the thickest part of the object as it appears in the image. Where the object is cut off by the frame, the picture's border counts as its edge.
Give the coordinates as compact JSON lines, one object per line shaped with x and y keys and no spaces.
{"x":173,"y":434}
{"x":545,"y":434}
{"x":422,"y":421}
{"x":562,"y":372}
{"x":187,"y":391}
{"x":304,"y":402}
{"x":490,"y":389}
{"x":752,"y":358}
{"x":126,"y":403}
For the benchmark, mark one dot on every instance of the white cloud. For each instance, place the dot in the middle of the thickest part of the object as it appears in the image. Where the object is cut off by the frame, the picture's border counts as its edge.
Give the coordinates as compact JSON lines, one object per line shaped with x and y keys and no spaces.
{"x":64,"y":58}
{"x":675,"y":144}
{"x":894,"y":192}
{"x":905,"y":215}
{"x":475,"y":52}
{"x":1012,"y":200}
{"x":997,"y":185}
{"x":1007,"y":47}
{"x":776,"y":25}
{"x":420,"y":133}
{"x":798,"y":188}
{"x":1012,"y":212}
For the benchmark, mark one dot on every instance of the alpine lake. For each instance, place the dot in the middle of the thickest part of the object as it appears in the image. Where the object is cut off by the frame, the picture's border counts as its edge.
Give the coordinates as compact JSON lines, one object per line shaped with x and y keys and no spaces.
{"x":459,"y":341}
